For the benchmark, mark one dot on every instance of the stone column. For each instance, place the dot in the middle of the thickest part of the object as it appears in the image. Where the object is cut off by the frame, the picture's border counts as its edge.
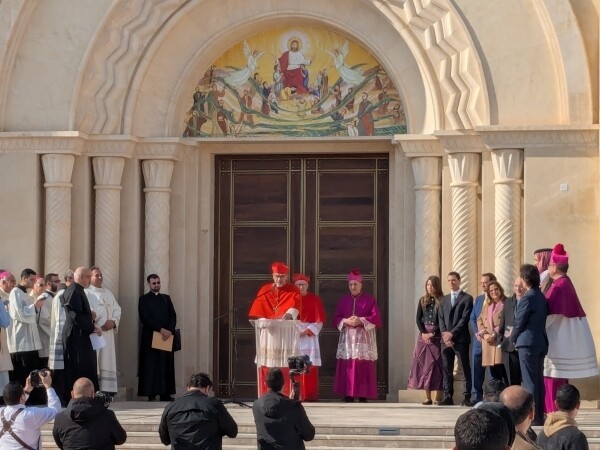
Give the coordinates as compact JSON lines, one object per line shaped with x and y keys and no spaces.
{"x":58,"y":169}
{"x":464,"y":170}
{"x":107,"y":175}
{"x":157,"y":177}
{"x":428,"y":187}
{"x":508,"y":172}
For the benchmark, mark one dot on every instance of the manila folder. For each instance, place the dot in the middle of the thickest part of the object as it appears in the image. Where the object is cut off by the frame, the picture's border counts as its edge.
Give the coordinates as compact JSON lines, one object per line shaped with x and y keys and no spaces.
{"x":159,"y":344}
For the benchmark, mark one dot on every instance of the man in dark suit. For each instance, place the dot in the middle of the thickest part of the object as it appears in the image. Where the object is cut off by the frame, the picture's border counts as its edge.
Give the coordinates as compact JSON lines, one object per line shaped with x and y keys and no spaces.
{"x":477,"y":369}
{"x":530,"y":339}
{"x":510,"y":356}
{"x":156,"y":368}
{"x":455,"y":311}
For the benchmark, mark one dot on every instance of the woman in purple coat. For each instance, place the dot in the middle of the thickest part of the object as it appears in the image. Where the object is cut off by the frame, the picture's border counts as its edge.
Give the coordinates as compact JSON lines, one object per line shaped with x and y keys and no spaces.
{"x":356,"y":316}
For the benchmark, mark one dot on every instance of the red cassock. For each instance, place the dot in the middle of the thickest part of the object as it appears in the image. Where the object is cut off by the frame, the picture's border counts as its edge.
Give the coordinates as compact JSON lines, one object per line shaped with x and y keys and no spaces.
{"x":312,"y":312}
{"x":272,"y":303}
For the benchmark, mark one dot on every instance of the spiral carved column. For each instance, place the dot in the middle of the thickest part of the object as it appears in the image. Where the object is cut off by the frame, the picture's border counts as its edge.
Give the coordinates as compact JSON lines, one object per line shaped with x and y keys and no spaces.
{"x":107,"y":175}
{"x":157,"y":177}
{"x":508,"y":170}
{"x":464,"y":170}
{"x":58,"y":169}
{"x":428,"y":178}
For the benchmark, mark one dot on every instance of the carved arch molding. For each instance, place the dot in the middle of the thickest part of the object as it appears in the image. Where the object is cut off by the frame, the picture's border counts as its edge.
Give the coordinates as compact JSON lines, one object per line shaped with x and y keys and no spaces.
{"x":433,"y":30}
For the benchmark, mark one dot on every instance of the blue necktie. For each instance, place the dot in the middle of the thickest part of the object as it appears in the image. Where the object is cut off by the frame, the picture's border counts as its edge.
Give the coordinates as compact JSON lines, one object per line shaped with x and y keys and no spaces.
{"x":453,"y":299}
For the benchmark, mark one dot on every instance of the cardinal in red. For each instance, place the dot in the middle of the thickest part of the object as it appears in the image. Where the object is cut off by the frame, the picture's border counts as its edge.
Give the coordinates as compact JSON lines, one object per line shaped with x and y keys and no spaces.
{"x":311,"y":322}
{"x":279,"y":299}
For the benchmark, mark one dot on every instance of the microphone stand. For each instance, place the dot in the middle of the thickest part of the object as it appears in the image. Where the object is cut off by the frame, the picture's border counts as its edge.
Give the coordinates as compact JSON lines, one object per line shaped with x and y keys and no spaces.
{"x":232,"y":312}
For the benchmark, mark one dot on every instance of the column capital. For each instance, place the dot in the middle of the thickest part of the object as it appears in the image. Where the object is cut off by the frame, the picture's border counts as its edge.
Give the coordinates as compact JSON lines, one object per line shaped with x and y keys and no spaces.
{"x":56,"y":142}
{"x":121,"y":146}
{"x":108,"y":171}
{"x":58,"y":169}
{"x":157,"y":174}
{"x":417,"y":145}
{"x":167,"y":149}
{"x":508,"y":165}
{"x":427,"y":171}
{"x":464,"y":169}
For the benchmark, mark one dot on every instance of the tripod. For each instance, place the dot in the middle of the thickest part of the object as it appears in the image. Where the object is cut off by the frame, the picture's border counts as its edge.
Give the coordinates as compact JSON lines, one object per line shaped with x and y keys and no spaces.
{"x":232,"y":312}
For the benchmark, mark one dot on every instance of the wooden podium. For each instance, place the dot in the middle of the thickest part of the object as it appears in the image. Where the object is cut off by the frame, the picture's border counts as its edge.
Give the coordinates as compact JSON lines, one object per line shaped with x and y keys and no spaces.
{"x":276,"y":341}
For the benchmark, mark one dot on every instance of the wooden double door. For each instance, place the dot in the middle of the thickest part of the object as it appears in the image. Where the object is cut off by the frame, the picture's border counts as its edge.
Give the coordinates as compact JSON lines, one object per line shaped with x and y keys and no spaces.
{"x":322,"y":215}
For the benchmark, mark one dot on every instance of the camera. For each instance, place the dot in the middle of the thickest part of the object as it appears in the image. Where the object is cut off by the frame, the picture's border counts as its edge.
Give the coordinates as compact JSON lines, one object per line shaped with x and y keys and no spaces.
{"x":104,"y":398}
{"x":299,"y":364}
{"x":35,"y":378}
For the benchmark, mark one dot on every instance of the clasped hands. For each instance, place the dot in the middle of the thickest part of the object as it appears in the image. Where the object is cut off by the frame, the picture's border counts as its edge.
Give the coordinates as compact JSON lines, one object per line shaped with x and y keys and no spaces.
{"x":353,"y":321}
{"x":447,"y":338}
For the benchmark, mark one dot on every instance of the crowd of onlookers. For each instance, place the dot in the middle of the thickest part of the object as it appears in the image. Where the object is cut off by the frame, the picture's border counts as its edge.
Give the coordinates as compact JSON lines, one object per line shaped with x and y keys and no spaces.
{"x":533,"y":341}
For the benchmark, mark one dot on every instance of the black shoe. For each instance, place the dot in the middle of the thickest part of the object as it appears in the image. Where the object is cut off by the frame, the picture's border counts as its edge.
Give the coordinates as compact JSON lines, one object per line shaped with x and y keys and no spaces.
{"x":446,"y":401}
{"x":362,"y":399}
{"x":151,"y":398}
{"x":466,"y":402}
{"x":348,"y":399}
{"x":166,"y":398}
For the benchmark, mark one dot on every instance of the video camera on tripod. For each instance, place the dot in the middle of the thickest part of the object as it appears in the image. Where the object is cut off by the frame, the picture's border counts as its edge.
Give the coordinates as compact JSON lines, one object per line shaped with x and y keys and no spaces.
{"x":298,"y":365}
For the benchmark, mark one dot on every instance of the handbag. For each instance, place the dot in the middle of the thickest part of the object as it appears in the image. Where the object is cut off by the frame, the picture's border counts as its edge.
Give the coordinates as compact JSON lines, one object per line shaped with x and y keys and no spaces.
{"x":177,"y":340}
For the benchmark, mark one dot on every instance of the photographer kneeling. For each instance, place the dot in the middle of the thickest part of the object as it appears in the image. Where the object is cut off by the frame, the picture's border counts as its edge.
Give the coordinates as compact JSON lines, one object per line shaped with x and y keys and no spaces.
{"x":87,"y":423}
{"x":281,"y":423}
{"x":20,"y":424}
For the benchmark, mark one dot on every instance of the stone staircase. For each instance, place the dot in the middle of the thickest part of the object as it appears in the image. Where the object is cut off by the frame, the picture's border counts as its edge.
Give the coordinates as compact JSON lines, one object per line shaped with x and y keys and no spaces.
{"x":339,"y":426}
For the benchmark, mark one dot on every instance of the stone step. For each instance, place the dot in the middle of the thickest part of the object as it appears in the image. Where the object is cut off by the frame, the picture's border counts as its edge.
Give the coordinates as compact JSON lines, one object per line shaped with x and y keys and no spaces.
{"x":137,"y":440}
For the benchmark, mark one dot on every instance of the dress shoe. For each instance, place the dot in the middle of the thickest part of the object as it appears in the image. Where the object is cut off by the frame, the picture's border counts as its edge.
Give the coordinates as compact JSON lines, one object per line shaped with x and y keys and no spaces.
{"x":362,"y":399}
{"x":427,"y":403}
{"x":466,"y":402}
{"x":166,"y":398}
{"x":446,"y":401}
{"x":348,"y":399}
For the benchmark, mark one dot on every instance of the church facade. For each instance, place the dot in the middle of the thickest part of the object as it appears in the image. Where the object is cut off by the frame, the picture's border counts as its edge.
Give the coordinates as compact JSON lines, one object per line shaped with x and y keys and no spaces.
{"x":201,"y":140}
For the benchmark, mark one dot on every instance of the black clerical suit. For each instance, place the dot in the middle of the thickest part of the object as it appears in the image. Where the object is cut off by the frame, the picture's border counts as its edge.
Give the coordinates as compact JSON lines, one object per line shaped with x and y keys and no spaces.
{"x":80,"y":357}
{"x":156,"y":368}
{"x":455,"y":319}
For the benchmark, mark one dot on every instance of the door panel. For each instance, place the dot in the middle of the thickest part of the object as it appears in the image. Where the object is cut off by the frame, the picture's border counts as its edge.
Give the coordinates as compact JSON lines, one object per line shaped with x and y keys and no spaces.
{"x":323,"y":216}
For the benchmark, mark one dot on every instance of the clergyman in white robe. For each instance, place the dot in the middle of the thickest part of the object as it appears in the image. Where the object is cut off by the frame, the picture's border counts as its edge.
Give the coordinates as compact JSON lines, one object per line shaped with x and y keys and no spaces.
{"x":104,"y":304}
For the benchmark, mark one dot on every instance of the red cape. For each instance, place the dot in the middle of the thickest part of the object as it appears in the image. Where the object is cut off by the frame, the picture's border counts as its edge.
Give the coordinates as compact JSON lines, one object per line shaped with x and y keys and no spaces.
{"x":312,"y":309}
{"x":272,"y":303}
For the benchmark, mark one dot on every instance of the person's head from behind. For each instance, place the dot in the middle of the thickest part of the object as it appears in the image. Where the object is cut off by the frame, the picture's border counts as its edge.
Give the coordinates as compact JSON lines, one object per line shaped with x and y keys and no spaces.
{"x":83,"y":388}
{"x":479,"y":429}
{"x":13,"y":393}
{"x":505,"y":413}
{"x":492,"y":390}
{"x":568,"y":399}
{"x":520,"y":402}
{"x":274,"y":379}
{"x":200,"y":381}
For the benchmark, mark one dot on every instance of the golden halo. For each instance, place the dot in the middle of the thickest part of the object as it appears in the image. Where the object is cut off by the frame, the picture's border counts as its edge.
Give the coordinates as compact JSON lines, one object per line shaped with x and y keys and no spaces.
{"x":292,"y":39}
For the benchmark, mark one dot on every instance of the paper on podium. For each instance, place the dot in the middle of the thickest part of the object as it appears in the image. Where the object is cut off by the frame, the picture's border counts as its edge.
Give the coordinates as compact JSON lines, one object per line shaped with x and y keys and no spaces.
{"x":159,"y":344}
{"x":97,"y":341}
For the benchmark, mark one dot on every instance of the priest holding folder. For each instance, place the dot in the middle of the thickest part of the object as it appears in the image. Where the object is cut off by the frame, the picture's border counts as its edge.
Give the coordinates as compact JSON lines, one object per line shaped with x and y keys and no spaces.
{"x":276,"y":300}
{"x":156,"y":368}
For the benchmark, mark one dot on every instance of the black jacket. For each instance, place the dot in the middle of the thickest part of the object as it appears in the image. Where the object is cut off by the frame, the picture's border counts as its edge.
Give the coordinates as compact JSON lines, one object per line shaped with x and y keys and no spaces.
{"x":87,"y":425}
{"x":507,"y":322}
{"x":281,"y":423}
{"x":196,"y":421}
{"x":456,"y":320}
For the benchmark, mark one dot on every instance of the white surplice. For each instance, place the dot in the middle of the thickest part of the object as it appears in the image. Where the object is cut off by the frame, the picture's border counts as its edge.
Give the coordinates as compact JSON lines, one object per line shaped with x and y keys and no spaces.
{"x":104,"y":304}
